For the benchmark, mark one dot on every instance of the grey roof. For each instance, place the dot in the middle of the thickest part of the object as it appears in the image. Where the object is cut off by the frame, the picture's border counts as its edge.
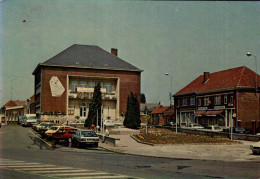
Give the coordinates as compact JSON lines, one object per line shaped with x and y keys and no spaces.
{"x":89,"y":56}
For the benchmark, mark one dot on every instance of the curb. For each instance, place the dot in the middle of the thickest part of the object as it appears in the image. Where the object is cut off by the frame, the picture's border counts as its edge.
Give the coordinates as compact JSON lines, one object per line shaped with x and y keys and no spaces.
{"x":137,"y":140}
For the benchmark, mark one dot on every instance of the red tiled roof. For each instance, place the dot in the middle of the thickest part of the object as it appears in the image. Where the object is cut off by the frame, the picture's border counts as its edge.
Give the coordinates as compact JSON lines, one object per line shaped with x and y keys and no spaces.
{"x":12,"y":103}
{"x":20,"y":103}
{"x":160,"y":110}
{"x":235,"y":77}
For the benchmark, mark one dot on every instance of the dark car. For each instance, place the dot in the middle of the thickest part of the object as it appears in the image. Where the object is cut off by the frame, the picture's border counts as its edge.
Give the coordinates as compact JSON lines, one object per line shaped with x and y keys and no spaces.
{"x":239,"y":130}
{"x":169,"y":124}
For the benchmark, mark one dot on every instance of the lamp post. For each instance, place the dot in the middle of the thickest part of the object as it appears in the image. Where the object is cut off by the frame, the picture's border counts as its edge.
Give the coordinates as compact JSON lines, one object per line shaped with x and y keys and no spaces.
{"x":28,"y":105}
{"x":249,"y":54}
{"x":167,"y":74}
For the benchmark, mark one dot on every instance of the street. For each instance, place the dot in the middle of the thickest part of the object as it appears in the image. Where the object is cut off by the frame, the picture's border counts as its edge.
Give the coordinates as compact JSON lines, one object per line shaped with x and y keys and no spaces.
{"x":23,"y":155}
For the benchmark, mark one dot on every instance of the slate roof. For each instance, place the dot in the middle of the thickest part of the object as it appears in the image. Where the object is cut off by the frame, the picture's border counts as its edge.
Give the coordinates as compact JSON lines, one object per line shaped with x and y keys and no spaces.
{"x":227,"y":79}
{"x":88,"y":56}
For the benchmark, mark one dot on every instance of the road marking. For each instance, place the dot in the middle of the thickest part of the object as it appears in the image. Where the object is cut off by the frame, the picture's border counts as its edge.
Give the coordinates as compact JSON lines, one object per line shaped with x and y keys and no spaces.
{"x":40,"y":138}
{"x":56,"y":171}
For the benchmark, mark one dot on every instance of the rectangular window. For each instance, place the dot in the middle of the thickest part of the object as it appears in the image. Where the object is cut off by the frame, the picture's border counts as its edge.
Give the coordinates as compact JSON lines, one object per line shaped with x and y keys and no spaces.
{"x":184,"y":102}
{"x":92,"y":84}
{"x":199,"y":102}
{"x":74,"y":85}
{"x":192,"y":101}
{"x":206,"y":101}
{"x":231,"y":99}
{"x":108,"y":86}
{"x":83,"y":84}
{"x":217,"y":100}
{"x":225,"y":99}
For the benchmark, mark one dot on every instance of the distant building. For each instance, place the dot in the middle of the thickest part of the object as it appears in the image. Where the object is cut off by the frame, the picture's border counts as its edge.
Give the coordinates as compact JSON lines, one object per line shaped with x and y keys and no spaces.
{"x":64,"y":84}
{"x":217,"y":98}
{"x":146,"y":109}
{"x":163,"y":115}
{"x":12,"y":110}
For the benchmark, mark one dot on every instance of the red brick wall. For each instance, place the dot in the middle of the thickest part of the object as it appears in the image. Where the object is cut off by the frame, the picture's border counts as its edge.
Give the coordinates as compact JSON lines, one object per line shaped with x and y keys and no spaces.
{"x":129,"y":81}
{"x":248,"y":106}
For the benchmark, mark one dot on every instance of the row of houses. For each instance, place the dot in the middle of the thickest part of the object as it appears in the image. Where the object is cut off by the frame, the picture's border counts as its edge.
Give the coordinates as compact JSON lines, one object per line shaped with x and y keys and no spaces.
{"x":64,"y":86}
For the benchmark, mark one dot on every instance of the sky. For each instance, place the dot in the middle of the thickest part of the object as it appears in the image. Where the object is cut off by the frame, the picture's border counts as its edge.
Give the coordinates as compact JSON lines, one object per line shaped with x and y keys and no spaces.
{"x":182,"y":38}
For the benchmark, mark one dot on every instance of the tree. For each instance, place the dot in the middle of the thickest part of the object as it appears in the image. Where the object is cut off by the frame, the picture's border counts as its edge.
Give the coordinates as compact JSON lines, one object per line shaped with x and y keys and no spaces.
{"x":94,"y":106}
{"x":143,"y":98}
{"x":132,"y":117}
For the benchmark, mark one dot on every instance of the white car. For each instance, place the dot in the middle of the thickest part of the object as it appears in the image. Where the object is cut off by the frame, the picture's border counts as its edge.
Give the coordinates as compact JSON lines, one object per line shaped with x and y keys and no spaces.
{"x":195,"y":126}
{"x":54,"y":129}
{"x":255,"y":148}
{"x":213,"y":128}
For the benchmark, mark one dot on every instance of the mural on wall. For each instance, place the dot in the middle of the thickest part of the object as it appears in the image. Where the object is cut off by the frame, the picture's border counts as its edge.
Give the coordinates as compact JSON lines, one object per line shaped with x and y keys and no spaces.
{"x":57,"y":88}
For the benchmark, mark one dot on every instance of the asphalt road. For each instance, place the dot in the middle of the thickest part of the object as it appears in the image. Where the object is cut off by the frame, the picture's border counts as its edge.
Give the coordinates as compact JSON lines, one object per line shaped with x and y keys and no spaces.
{"x":23,"y":155}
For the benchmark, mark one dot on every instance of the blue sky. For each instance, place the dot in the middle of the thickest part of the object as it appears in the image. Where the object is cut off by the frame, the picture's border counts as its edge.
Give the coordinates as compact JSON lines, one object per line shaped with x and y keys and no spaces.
{"x":181,"y":38}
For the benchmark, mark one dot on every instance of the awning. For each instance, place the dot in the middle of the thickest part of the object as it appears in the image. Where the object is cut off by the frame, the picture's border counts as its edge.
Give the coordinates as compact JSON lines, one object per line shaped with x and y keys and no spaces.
{"x":208,"y":113}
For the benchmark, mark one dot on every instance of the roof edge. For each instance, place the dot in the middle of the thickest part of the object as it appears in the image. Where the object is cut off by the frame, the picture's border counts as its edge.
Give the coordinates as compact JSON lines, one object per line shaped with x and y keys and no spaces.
{"x":87,"y":67}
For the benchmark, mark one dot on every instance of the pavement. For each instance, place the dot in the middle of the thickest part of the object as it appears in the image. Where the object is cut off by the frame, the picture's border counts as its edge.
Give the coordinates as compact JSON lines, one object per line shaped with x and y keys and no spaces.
{"x":221,"y":152}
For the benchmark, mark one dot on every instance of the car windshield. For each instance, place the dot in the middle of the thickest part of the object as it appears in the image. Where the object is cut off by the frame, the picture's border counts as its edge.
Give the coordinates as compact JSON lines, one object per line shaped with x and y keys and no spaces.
{"x":54,"y":128}
{"x":88,"y":134}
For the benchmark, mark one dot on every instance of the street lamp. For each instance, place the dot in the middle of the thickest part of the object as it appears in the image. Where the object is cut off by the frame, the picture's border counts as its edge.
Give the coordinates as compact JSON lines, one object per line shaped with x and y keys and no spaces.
{"x":167,"y":74}
{"x":249,"y":54}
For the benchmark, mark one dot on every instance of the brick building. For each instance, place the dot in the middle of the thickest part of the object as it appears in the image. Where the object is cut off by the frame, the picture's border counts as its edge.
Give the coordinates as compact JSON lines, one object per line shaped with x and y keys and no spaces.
{"x":12,"y":110}
{"x":64,"y":84}
{"x":216,"y":98}
{"x":163,"y":115}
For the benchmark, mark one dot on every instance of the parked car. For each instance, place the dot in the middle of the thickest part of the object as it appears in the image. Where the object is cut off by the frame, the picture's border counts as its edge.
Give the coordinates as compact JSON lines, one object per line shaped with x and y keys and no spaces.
{"x":239,"y":130}
{"x":86,"y":137}
{"x":64,"y":133}
{"x":214,"y":128}
{"x":170,"y":124}
{"x":41,"y":125}
{"x":44,"y":128}
{"x":195,"y":126}
{"x":54,"y":129}
{"x":255,"y":148}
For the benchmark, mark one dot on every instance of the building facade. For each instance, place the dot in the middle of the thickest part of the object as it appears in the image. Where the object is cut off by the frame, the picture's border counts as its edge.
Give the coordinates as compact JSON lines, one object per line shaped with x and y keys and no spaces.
{"x":64,"y":84}
{"x":225,"y":98}
{"x":162,"y":115}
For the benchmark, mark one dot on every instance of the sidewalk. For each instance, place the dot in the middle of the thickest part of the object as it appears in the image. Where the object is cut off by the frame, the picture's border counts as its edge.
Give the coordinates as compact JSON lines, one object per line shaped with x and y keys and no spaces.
{"x":223,"y":152}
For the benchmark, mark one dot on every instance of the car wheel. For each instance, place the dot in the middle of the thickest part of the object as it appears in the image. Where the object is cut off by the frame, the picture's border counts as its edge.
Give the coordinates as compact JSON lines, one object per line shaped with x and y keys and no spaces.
{"x":78,"y":144}
{"x":96,"y":144}
{"x":254,"y":152}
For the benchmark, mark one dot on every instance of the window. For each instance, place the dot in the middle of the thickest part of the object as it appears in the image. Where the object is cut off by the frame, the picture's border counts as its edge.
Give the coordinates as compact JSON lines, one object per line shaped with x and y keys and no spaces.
{"x":83,"y":84}
{"x":199,"y":102}
{"x":83,"y":108}
{"x":74,"y":85}
{"x":184,"y":102}
{"x":225,"y":99}
{"x":217,"y":100}
{"x":192,"y":101}
{"x":231,"y":99}
{"x":206,"y":101}
{"x":108,"y":86}
{"x":92,"y":84}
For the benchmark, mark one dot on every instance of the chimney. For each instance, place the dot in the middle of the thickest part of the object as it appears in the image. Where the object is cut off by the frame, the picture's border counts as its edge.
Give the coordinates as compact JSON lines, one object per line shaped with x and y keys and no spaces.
{"x":206,"y":77}
{"x":114,"y":51}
